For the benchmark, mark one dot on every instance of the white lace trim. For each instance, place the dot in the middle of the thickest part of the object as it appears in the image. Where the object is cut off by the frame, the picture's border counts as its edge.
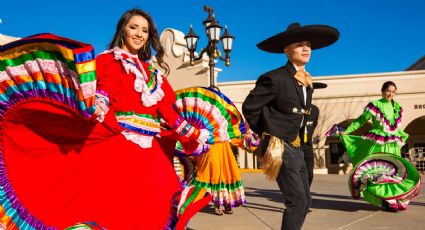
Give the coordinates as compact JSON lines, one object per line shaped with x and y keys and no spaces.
{"x":148,"y":99}
{"x":143,"y":141}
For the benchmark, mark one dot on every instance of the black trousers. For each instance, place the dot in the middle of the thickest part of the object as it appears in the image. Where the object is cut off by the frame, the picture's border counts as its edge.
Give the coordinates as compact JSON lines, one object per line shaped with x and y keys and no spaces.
{"x":293,"y":183}
{"x":309,"y":160}
{"x":188,"y":167}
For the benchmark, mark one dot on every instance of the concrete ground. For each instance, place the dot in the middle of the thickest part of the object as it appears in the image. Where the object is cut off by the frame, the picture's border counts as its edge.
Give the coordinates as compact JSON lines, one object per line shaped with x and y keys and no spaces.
{"x":332,"y":208}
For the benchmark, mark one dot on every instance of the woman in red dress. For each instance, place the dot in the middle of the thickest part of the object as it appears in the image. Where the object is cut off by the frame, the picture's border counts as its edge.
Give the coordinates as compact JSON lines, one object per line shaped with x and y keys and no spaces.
{"x":64,"y":169}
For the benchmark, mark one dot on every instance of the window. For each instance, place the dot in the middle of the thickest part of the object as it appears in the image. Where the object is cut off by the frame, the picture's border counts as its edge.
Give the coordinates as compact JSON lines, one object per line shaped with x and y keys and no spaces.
{"x":405,"y":152}
{"x":418,"y":156}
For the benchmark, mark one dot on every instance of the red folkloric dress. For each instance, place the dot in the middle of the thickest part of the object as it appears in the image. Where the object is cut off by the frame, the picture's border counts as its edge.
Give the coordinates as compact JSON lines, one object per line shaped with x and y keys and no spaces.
{"x":64,"y":169}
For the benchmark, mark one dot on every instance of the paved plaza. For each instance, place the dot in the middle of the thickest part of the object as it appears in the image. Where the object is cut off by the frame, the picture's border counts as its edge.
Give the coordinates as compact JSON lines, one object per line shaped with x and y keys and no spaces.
{"x":333,"y":208}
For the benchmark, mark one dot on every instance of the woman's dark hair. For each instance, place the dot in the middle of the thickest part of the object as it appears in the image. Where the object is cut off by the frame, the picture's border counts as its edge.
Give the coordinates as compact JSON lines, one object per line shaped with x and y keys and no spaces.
{"x":386,"y":85}
{"x":153,"y":41}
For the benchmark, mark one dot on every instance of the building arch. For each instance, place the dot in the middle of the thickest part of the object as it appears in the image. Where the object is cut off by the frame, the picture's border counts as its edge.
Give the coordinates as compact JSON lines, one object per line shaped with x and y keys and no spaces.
{"x":416,"y":131}
{"x":414,"y":149}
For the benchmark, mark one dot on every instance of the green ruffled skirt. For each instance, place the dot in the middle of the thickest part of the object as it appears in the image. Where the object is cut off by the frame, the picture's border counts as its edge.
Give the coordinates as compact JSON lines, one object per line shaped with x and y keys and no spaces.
{"x":380,"y":174}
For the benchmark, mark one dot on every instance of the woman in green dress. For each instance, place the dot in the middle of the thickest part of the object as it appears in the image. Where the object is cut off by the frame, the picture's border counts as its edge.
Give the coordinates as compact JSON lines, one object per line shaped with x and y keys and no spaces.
{"x":380,"y":175}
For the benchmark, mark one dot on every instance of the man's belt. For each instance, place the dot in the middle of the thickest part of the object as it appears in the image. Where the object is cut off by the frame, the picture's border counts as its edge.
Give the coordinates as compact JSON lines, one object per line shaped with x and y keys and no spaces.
{"x":272,"y":156}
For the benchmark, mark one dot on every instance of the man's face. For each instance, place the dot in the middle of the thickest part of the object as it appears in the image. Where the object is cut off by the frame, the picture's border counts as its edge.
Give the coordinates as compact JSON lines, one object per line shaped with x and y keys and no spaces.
{"x":299,"y":52}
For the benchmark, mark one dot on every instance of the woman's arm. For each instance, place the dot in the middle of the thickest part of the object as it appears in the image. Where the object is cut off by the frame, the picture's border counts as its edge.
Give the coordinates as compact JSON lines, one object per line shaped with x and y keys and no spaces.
{"x":359,"y":122}
{"x":104,"y":67}
{"x":175,"y":121}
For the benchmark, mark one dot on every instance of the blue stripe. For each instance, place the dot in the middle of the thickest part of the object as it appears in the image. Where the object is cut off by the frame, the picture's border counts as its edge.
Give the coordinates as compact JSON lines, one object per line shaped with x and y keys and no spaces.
{"x":186,"y":129}
{"x":190,"y":116}
{"x":33,"y":39}
{"x":242,"y":126}
{"x":155,"y":85}
{"x":219,"y":94}
{"x":137,"y":130}
{"x":84,"y":57}
{"x":40,"y":85}
{"x":58,"y":88}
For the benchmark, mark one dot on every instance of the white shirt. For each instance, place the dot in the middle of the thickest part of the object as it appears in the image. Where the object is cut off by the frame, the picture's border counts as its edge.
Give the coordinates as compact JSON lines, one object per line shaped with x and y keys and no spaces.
{"x":304,"y":95}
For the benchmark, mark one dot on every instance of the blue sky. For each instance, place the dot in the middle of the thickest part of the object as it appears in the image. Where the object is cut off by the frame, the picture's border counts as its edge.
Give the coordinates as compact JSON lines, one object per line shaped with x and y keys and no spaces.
{"x":376,"y":35}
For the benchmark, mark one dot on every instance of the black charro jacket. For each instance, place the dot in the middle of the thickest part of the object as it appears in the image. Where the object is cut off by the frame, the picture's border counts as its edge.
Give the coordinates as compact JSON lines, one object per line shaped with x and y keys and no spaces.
{"x":273,"y":104}
{"x":312,"y":123}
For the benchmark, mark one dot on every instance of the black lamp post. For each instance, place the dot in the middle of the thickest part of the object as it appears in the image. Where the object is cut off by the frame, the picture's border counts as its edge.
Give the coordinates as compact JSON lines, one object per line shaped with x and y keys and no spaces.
{"x":213,"y":30}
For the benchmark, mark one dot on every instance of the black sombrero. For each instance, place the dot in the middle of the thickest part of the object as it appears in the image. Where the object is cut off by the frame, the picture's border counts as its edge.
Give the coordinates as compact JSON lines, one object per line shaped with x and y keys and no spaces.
{"x":319,"y":85}
{"x":319,"y":35}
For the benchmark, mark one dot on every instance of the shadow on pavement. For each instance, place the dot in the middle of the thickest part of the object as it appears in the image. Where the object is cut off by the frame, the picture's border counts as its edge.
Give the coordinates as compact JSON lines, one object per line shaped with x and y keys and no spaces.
{"x":417,"y":203}
{"x":264,"y":207}
{"x":339,"y":205}
{"x":270,"y":194}
{"x":334,"y":201}
{"x":319,"y":201}
{"x":314,"y":194}
{"x":208,"y":209}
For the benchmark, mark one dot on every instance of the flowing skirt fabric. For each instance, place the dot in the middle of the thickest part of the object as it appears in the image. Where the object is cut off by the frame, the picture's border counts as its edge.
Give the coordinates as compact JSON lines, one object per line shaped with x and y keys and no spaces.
{"x":64,"y":169}
{"x":218,"y":172}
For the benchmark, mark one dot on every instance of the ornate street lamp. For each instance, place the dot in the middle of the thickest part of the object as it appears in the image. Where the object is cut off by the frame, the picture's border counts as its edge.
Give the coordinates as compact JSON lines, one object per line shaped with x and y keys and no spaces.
{"x":213,"y":31}
{"x":191,"y":41}
{"x":227,"y":41}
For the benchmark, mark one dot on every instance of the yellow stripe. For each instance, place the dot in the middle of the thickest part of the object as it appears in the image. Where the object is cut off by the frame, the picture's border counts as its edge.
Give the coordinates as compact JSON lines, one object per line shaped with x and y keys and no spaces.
{"x":5,"y":219}
{"x":5,"y":85}
{"x":29,"y":48}
{"x":200,"y":195}
{"x":226,"y":105}
{"x":213,"y":95}
{"x":140,"y":122}
{"x":53,"y":78}
{"x":86,"y":67}
{"x":251,"y":170}
{"x":210,"y":94}
{"x":23,"y":79}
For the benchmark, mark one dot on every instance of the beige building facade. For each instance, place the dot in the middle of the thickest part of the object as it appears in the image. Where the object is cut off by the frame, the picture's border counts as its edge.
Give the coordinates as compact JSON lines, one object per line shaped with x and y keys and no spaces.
{"x":341,"y":102}
{"x":6,"y":39}
{"x":182,"y":74}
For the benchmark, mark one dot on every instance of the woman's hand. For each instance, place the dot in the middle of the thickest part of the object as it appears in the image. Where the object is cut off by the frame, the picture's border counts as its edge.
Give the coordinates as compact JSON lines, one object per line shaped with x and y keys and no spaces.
{"x":98,"y":112}
{"x":204,"y":134}
{"x":102,"y":105}
{"x":101,"y":110}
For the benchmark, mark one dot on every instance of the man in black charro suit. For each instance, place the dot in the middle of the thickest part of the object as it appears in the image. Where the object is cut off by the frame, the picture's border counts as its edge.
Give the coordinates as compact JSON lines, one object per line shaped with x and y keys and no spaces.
{"x":279,"y":105}
{"x":311,"y":124}
{"x":307,"y":147}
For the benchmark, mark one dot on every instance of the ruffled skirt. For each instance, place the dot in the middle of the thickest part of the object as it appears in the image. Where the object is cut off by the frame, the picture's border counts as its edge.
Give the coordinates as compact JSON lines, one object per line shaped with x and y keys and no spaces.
{"x":58,"y":169}
{"x":218,"y":172}
{"x":380,"y":174}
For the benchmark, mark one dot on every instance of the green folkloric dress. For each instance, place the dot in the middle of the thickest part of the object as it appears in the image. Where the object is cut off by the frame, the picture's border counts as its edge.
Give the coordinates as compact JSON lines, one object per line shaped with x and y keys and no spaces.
{"x":380,"y":173}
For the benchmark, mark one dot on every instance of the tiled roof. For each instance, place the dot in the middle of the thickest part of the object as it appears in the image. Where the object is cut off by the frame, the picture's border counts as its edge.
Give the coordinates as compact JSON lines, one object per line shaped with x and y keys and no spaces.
{"x":418,"y":65}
